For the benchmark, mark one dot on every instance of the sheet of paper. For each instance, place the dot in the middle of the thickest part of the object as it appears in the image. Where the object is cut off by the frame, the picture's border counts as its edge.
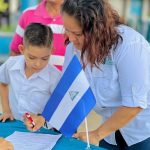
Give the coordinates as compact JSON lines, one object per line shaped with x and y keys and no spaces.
{"x":33,"y":141}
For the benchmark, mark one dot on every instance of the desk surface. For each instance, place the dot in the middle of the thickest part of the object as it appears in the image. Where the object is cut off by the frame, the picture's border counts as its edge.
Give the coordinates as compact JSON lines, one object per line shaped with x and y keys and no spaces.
{"x":63,"y":143}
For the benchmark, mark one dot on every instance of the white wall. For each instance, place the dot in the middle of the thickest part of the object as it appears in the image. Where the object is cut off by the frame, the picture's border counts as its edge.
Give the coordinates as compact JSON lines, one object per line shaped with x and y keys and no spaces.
{"x":14,"y":5}
{"x":117,"y":5}
{"x":146,"y":7}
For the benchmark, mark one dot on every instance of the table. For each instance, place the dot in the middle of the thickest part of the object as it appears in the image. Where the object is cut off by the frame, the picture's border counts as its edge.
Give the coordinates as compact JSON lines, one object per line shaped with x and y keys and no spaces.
{"x":63,"y":143}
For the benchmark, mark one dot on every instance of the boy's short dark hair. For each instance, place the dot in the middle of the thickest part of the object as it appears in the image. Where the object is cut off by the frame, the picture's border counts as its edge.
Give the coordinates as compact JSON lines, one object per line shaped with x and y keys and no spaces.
{"x":37,"y":34}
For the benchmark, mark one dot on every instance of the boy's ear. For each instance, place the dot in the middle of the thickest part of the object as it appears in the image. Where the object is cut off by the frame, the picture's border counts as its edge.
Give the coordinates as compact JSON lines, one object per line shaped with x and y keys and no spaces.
{"x":21,"y":48}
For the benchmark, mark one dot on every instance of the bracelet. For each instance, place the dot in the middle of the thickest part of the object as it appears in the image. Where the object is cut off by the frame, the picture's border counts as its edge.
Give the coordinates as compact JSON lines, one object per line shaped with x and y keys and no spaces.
{"x":55,"y":130}
{"x":45,"y":124}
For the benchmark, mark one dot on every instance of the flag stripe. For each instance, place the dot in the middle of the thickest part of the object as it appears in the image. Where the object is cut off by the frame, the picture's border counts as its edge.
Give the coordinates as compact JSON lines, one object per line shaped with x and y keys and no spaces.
{"x":67,"y":104}
{"x":62,"y":88}
{"x":84,"y":106}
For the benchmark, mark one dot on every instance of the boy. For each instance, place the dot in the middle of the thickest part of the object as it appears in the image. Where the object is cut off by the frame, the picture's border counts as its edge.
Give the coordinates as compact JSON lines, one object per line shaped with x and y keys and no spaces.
{"x":29,"y":77}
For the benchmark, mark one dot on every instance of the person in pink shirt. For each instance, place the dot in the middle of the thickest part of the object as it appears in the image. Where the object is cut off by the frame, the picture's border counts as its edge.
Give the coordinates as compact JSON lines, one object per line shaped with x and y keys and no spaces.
{"x":48,"y":13}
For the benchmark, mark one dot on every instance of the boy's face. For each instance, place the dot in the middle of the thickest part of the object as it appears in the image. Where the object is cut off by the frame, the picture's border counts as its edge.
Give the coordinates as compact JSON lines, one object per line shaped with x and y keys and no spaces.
{"x":36,"y":58}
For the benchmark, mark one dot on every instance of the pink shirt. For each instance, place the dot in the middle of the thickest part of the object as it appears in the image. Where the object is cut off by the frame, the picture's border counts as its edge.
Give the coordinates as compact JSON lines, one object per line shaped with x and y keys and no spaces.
{"x":39,"y":14}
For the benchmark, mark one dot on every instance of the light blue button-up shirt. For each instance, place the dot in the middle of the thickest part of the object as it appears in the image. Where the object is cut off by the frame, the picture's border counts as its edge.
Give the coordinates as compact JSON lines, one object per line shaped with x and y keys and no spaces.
{"x":27,"y":95}
{"x":123,"y":80}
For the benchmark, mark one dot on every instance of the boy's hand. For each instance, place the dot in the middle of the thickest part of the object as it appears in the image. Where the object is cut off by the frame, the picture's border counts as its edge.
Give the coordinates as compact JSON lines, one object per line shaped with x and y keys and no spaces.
{"x":38,"y":120}
{"x":6,"y":116}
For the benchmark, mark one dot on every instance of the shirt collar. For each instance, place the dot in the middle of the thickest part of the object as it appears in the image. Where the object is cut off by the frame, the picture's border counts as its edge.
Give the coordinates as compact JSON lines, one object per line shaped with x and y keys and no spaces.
{"x":41,"y":10}
{"x":44,"y":74}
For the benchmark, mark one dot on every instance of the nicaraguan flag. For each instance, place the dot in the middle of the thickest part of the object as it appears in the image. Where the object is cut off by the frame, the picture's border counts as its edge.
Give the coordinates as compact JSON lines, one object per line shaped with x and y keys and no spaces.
{"x":71,"y":100}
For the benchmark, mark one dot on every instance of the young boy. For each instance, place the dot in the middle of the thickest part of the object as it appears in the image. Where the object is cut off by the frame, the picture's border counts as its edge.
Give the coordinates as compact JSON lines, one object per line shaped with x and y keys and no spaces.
{"x":27,"y":81}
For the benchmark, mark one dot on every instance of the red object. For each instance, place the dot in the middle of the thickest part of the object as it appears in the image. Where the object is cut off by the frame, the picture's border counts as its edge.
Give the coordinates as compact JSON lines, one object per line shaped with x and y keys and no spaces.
{"x":28,"y":116}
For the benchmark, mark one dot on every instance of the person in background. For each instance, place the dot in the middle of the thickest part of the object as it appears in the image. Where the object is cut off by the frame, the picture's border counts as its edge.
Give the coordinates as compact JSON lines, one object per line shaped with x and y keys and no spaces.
{"x":29,"y":77}
{"x":115,"y":59}
{"x":48,"y":13}
{"x":4,"y":12}
{"x":5,"y":145}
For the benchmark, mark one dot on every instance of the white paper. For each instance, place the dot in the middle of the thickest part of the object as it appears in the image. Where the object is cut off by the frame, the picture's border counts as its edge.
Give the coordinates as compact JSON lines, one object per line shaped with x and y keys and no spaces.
{"x":33,"y":141}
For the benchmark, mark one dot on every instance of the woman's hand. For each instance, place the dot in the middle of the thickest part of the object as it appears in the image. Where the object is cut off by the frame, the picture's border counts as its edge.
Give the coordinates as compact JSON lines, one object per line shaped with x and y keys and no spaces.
{"x":6,"y":116}
{"x":5,"y":145}
{"x":38,"y":120}
{"x":94,"y":137}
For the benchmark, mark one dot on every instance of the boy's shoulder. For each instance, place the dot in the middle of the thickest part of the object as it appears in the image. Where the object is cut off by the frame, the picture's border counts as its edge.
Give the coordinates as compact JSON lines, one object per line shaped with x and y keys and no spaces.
{"x":51,"y":74}
{"x":15,"y":58}
{"x":12,"y":60}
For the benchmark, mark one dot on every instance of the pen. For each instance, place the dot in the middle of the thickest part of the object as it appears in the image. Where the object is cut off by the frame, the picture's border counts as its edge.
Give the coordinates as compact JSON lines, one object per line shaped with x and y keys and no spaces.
{"x":28,"y":116}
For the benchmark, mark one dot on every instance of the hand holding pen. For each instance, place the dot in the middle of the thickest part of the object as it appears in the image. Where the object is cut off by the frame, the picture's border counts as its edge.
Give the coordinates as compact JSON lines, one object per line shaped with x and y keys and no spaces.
{"x":33,"y":122}
{"x":28,"y":116}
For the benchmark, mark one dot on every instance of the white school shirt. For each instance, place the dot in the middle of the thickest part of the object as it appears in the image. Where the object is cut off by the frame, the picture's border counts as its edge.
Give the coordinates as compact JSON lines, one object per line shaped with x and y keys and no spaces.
{"x":27,"y":95}
{"x":124,"y":80}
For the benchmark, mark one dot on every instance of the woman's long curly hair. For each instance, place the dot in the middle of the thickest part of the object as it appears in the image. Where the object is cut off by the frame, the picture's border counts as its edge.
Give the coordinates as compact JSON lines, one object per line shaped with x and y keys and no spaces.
{"x":98,"y":22}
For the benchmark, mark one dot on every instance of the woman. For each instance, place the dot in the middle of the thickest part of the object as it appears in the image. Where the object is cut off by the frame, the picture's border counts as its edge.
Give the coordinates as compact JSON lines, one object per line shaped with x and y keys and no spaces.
{"x":116,"y":62}
{"x":5,"y":145}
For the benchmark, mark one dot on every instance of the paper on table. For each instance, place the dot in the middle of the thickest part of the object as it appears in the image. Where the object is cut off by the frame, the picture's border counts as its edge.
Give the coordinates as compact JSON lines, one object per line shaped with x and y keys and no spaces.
{"x":34,"y":141}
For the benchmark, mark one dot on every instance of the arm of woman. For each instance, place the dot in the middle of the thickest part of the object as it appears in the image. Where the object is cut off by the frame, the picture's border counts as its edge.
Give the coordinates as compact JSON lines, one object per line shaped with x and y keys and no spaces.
{"x":119,"y":119}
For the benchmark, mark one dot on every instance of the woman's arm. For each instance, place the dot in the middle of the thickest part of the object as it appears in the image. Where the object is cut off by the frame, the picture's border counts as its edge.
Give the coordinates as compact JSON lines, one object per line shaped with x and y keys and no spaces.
{"x":118,"y":120}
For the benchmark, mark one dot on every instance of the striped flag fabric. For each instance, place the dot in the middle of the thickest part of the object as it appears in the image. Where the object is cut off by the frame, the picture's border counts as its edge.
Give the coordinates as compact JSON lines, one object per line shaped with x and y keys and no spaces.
{"x":71,"y":100}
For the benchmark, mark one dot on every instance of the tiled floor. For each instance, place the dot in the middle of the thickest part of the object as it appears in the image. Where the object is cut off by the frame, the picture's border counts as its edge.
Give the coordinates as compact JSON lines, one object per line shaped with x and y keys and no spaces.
{"x":93,"y":121}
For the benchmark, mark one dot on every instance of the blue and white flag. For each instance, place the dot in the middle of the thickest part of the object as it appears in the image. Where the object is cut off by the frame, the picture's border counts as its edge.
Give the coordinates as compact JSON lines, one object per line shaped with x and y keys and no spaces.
{"x":71,"y":100}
